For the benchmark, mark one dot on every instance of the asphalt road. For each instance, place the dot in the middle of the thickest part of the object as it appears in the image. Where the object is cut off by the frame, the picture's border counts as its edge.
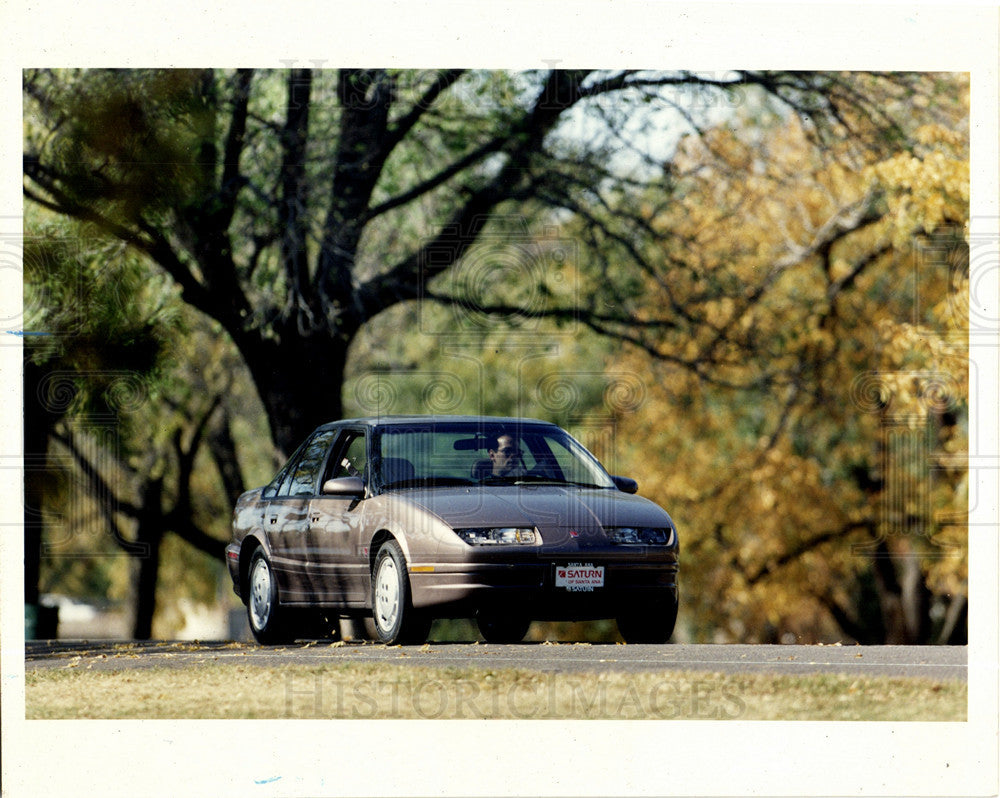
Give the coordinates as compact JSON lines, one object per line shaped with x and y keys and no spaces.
{"x":931,"y":662}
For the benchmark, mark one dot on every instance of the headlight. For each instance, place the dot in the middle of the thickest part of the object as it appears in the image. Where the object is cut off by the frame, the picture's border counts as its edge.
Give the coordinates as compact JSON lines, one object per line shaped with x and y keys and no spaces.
{"x":493,"y":536}
{"x":641,"y":535}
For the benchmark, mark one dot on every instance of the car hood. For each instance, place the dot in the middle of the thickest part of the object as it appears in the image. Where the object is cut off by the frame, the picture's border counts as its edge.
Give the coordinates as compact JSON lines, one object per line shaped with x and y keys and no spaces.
{"x":542,"y":506}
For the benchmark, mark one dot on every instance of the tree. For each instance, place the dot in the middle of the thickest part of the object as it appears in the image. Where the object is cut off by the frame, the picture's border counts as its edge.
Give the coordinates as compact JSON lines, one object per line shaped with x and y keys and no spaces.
{"x":112,"y":430}
{"x":294,"y":209}
{"x":89,"y":336}
{"x":806,"y":418}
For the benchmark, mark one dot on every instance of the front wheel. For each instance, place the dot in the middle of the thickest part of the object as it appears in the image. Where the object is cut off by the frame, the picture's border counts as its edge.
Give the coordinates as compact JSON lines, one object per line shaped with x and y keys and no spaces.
{"x":264,"y":611}
{"x":652,"y":623}
{"x":395,"y":619}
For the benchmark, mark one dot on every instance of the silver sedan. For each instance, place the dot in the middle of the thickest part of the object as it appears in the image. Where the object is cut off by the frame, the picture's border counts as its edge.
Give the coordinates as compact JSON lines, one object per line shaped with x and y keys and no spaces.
{"x":405,"y":519}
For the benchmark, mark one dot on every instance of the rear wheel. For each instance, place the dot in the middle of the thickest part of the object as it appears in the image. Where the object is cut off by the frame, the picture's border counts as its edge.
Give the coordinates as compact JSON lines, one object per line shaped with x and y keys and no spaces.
{"x":653,"y":622}
{"x":395,"y":619}
{"x":269,"y":621}
{"x":497,"y":628}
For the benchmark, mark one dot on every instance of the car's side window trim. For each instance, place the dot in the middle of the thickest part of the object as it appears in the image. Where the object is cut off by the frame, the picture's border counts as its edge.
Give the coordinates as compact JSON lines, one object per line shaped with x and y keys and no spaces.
{"x":331,"y":448}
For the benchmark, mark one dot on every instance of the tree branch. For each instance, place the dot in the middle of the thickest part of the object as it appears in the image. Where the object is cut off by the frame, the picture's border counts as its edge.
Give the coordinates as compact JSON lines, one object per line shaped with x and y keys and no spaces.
{"x":560,"y":92}
{"x":365,"y":99}
{"x":801,"y":548}
{"x":232,"y":181}
{"x":109,"y":503}
{"x":223,"y":449}
{"x":155,"y":245}
{"x":180,"y":518}
{"x":292,"y":218}
{"x":402,"y":126}
{"x":443,"y":176}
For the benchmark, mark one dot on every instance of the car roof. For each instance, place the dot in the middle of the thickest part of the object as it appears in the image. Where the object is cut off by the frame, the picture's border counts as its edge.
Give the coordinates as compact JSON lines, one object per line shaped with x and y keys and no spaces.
{"x":402,"y":419}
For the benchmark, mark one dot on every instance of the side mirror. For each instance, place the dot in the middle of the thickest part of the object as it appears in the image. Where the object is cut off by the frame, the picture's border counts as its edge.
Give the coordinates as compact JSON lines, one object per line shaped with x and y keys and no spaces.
{"x":344,"y":486}
{"x":626,"y":485}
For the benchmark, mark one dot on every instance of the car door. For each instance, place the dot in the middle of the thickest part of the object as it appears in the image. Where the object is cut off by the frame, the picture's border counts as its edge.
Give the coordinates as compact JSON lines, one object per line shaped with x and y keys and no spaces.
{"x":286,"y":517}
{"x":337,"y":565}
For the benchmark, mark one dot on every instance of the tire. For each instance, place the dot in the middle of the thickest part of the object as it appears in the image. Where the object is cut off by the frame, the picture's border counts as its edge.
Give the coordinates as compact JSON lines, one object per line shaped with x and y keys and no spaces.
{"x":268,"y":619}
{"x":496,"y":628}
{"x":395,"y":620}
{"x":654,"y":623}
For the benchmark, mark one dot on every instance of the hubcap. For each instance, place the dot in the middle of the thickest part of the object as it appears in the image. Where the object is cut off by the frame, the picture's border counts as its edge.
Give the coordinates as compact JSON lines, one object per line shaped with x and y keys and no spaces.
{"x":387,"y":594}
{"x":260,"y":594}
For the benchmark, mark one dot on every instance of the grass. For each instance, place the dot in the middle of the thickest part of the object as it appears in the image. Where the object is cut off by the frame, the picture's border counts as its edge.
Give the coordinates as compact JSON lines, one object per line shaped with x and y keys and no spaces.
{"x":374,"y":691}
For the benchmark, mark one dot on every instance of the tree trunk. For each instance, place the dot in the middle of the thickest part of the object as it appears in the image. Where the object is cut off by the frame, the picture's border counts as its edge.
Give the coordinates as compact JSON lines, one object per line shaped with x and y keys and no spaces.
{"x":299,"y":380}
{"x":40,"y":416}
{"x":955,"y":631}
{"x":223,"y":449}
{"x":916,"y":602}
{"x":36,"y":443}
{"x":150,"y":536}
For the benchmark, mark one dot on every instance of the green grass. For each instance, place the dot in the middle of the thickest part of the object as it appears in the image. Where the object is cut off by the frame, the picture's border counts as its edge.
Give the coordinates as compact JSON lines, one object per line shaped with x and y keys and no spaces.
{"x":372,"y":691}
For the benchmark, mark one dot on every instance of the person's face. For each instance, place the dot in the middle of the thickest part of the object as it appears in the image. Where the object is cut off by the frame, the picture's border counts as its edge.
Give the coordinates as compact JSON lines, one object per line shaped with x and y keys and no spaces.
{"x":505,"y":455}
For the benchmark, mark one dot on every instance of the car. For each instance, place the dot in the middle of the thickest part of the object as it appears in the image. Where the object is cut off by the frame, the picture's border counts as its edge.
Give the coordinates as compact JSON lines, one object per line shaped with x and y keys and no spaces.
{"x":392,"y":522}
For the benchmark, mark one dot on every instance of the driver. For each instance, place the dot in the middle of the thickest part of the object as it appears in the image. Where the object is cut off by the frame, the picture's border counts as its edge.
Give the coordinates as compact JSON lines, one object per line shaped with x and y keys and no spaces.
{"x":506,"y":457}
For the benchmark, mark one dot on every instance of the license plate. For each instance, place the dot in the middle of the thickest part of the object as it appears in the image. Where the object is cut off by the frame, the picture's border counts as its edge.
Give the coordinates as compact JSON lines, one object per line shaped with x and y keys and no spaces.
{"x":579,"y":577}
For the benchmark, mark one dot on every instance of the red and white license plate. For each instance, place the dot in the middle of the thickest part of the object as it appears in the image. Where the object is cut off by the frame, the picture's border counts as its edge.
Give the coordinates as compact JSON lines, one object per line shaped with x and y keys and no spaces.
{"x":579,"y":577}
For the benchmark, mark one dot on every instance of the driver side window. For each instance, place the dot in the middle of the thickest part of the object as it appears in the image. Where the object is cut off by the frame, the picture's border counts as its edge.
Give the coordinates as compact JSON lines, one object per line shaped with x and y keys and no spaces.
{"x":351,"y":458}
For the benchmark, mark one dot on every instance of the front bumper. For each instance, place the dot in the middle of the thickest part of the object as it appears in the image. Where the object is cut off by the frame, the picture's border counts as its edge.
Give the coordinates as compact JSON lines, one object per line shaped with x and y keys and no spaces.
{"x":531,"y":589}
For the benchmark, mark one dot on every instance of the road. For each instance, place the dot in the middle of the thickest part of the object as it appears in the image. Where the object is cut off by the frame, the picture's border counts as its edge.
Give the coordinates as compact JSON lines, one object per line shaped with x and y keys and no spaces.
{"x":930,"y":662}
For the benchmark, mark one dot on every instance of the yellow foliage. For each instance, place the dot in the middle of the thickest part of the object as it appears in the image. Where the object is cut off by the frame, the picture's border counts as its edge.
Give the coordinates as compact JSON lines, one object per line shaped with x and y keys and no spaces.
{"x":817,"y":330}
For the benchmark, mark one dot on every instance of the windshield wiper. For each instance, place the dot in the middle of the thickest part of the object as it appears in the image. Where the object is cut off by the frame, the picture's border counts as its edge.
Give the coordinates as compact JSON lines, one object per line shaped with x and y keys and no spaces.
{"x":552,"y":481}
{"x":537,"y":479}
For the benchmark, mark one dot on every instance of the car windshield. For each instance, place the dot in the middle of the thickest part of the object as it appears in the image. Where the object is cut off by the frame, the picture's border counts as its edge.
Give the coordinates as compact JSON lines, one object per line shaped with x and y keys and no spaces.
{"x":469,"y":453}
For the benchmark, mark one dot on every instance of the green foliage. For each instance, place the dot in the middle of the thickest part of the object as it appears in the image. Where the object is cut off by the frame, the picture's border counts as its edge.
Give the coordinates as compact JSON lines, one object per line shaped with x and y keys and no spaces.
{"x":130,"y":139}
{"x":92,"y":310}
{"x":125,"y":365}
